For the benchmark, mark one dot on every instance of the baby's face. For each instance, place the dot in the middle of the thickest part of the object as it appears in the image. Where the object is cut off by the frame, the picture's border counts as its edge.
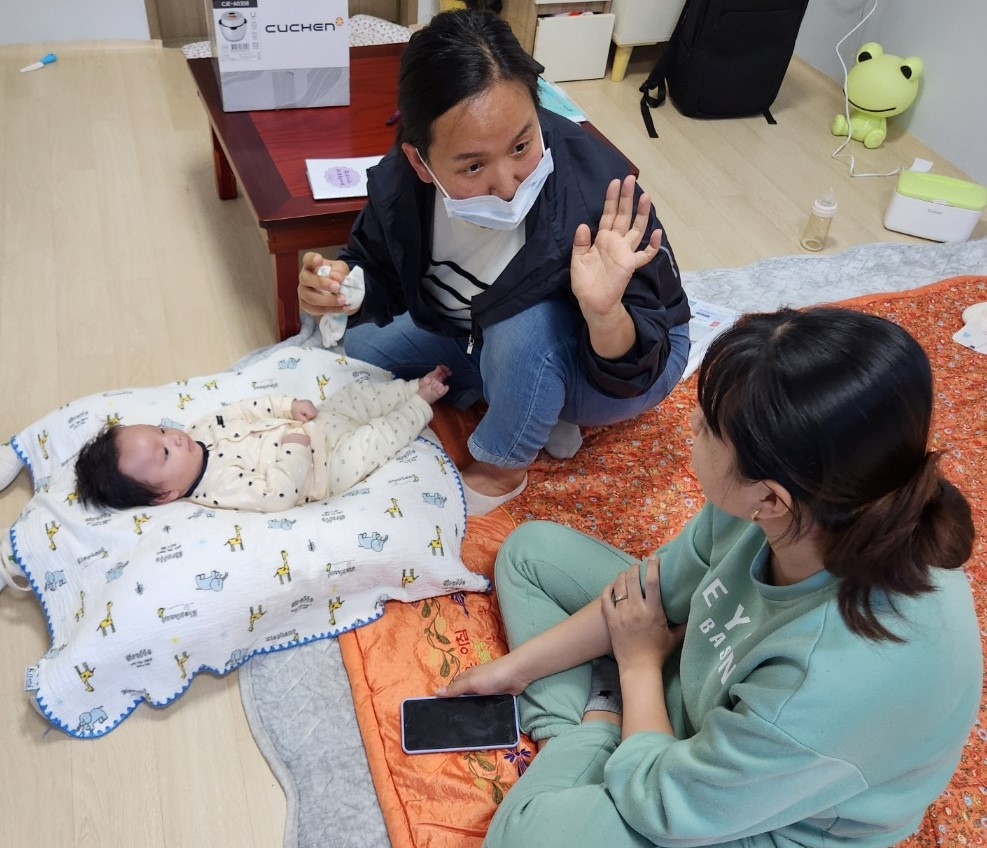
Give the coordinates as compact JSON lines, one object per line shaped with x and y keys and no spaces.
{"x":162,"y":458}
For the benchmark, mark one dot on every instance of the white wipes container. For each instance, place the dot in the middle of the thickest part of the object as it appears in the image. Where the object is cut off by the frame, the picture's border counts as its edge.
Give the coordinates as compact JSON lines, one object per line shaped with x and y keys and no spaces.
{"x":935,"y":207}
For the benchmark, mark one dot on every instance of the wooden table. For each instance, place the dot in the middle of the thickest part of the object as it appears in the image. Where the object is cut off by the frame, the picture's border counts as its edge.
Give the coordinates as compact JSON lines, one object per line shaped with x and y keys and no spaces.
{"x":266,"y":151}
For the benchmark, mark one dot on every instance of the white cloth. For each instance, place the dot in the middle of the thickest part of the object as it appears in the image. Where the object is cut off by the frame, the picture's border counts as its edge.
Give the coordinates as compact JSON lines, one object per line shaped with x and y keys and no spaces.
{"x":973,"y":333}
{"x":333,"y":325}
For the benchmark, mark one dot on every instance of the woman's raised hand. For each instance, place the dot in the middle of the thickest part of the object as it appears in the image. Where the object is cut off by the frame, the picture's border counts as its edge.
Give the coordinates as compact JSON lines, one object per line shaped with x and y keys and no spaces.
{"x":317,"y":294}
{"x":602,"y":267}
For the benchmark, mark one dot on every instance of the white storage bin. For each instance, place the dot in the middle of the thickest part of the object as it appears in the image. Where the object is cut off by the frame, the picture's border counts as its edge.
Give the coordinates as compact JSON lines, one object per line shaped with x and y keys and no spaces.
{"x":573,"y":47}
{"x":644,"y":21}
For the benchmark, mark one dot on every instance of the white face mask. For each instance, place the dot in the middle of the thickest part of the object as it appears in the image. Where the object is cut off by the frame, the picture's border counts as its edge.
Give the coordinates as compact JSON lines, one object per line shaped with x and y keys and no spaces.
{"x":488,"y":210}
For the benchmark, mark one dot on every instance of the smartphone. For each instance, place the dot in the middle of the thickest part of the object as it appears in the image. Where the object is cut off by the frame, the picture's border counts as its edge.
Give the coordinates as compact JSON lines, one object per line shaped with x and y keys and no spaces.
{"x":466,"y":723}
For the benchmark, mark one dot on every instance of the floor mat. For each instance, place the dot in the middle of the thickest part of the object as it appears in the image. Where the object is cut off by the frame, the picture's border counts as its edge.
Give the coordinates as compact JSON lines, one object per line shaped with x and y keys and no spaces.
{"x":634,"y":487}
{"x":321,"y":764}
{"x":797,"y":280}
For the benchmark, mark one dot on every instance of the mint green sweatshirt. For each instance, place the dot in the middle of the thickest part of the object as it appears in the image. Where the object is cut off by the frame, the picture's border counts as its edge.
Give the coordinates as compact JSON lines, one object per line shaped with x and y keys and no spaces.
{"x":788,"y":724}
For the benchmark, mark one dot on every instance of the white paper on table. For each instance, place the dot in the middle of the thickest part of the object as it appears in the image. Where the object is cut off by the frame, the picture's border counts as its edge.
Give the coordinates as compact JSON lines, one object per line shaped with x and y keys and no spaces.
{"x":332,"y":178}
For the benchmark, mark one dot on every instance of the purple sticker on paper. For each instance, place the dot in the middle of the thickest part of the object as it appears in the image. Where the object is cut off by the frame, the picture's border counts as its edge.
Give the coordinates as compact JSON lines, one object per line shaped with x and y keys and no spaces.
{"x":342,"y":177}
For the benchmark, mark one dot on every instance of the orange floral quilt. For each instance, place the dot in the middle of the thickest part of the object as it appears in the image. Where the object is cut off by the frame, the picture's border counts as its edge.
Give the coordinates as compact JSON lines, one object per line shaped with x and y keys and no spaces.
{"x":631,"y":484}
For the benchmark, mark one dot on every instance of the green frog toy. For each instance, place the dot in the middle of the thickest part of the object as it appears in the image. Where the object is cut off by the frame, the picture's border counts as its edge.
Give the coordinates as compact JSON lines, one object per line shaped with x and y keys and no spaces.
{"x":878,"y":86}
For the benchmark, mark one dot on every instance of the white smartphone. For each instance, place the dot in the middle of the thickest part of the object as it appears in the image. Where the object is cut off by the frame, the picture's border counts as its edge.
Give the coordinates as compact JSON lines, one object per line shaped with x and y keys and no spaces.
{"x":466,"y":723}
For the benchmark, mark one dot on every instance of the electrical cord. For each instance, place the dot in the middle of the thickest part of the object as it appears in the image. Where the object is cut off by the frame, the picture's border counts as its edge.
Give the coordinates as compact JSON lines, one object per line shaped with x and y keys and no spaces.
{"x":838,"y":153}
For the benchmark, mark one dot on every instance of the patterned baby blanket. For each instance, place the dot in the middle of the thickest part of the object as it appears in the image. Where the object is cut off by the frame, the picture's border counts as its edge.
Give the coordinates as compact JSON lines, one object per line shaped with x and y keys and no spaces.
{"x":139,"y":601}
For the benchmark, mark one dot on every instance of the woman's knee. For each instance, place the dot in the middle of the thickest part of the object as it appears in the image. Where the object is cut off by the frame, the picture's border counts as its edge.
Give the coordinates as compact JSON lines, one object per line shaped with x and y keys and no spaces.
{"x":531,"y":540}
{"x":541,"y":332}
{"x":562,"y":798}
{"x":509,"y":827}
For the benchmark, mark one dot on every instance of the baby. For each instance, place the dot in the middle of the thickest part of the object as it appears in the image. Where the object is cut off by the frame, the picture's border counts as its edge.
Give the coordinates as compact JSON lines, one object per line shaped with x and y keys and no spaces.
{"x":260,"y":455}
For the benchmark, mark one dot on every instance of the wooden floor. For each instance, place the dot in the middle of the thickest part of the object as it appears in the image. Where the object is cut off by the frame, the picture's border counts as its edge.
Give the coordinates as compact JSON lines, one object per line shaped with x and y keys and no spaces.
{"x":120,"y":267}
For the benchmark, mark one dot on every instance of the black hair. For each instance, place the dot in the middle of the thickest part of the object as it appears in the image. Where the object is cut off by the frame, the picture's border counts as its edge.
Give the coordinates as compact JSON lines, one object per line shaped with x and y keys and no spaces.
{"x":99,"y":481}
{"x":495,"y":6}
{"x":457,"y":56}
{"x":836,"y":406}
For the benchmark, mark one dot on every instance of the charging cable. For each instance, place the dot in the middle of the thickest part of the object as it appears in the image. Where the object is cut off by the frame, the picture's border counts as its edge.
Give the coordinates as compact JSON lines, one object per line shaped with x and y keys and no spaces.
{"x":838,"y":153}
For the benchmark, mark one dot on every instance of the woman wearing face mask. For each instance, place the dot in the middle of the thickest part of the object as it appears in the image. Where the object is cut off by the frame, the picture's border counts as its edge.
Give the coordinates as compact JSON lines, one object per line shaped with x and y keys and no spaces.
{"x":508,"y":243}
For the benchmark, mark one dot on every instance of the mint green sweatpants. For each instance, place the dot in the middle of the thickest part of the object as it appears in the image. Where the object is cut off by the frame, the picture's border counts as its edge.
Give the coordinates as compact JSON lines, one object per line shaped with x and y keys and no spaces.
{"x":544,"y":573}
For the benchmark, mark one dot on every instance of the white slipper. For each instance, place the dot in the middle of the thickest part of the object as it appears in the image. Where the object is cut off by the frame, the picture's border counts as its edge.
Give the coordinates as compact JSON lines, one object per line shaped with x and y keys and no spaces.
{"x":477,"y":504}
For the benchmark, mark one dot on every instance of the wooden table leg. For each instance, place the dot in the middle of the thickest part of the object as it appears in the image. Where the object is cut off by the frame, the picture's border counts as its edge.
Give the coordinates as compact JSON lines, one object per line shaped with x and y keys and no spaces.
{"x":225,"y":178}
{"x":621,"y":56}
{"x":286,"y":293}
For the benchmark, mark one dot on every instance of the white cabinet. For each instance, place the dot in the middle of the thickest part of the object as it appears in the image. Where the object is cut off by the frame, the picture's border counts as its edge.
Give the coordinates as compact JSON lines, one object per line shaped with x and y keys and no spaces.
{"x":571,"y":38}
{"x":638,"y":22}
{"x":573,"y":48}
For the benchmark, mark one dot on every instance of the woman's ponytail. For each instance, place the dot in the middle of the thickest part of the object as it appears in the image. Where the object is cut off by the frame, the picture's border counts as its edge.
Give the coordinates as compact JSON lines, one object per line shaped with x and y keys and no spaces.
{"x":890,"y":544}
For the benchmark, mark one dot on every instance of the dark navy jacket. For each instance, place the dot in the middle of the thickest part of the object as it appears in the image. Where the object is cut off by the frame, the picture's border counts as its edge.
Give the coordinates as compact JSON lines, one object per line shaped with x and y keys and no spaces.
{"x":390,"y":241}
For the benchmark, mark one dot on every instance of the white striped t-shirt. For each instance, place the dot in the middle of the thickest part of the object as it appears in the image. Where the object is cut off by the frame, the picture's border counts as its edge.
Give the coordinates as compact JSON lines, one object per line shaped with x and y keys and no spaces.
{"x":464,"y":260}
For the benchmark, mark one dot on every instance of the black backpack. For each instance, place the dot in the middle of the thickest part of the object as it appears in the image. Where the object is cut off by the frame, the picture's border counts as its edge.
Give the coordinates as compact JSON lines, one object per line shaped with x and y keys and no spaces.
{"x":725,"y":59}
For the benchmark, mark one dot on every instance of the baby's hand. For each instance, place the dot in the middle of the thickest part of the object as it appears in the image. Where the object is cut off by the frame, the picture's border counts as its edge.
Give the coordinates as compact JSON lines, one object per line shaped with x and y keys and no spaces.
{"x":296,"y":439}
{"x":303,"y":410}
{"x":432,"y":386}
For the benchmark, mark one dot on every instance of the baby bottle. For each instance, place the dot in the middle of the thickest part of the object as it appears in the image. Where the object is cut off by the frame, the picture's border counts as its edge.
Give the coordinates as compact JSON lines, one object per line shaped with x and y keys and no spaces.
{"x":817,"y":228}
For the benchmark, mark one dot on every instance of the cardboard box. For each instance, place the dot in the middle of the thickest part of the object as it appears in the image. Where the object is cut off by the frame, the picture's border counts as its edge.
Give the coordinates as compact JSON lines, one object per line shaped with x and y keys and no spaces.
{"x":280,"y":54}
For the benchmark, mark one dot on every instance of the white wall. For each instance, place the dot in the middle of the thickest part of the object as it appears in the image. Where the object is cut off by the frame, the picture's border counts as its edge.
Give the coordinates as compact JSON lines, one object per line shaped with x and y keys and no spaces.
{"x":43,"y":22}
{"x":950,"y":113}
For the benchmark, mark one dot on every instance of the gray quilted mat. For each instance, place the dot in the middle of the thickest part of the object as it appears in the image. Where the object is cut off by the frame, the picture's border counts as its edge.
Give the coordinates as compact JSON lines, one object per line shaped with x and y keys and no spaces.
{"x":300,"y":711}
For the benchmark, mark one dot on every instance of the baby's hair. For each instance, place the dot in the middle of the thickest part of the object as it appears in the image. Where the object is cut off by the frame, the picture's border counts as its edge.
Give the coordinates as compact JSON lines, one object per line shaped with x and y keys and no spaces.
{"x":836,"y":406}
{"x":99,"y":482}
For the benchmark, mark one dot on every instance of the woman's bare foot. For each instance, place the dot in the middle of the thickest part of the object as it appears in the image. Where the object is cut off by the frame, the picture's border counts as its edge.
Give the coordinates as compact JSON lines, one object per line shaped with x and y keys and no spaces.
{"x":432,"y":386}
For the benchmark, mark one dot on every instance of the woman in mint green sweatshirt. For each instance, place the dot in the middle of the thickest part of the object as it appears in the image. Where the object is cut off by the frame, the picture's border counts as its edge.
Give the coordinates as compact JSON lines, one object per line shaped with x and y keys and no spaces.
{"x":801,"y":665}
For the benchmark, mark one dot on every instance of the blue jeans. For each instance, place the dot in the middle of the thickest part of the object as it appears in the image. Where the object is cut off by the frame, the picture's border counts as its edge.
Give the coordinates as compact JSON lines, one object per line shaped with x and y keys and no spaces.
{"x":527,"y":370}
